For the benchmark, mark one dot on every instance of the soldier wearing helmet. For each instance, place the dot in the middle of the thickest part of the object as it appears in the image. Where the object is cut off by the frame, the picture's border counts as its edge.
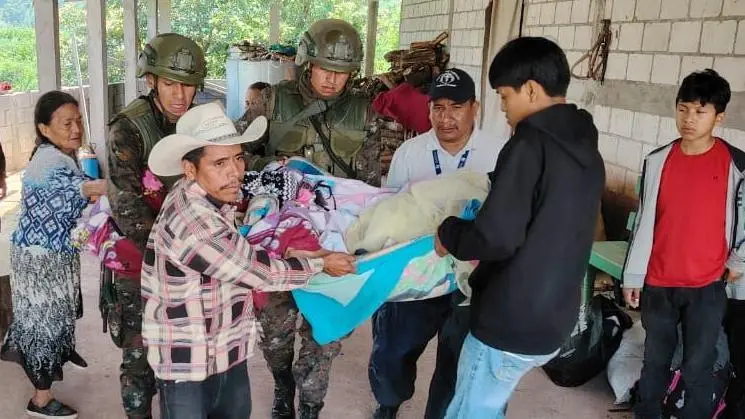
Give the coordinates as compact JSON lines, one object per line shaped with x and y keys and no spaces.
{"x":173,"y":67}
{"x":316,"y":117}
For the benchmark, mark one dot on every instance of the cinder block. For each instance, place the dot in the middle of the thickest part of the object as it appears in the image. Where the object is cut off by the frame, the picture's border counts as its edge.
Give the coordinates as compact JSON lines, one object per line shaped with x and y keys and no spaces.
{"x":608,"y":9}
{"x":563,"y":13}
{"x":608,"y":147}
{"x":674,"y":9}
{"x":21,"y":100}
{"x":685,"y":36}
{"x":566,"y":37}
{"x":534,"y":14}
{"x":734,"y":8}
{"x":656,"y":36}
{"x":629,"y":153}
{"x":580,"y":11}
{"x":740,"y":42}
{"x":630,"y":38}
{"x":640,"y":67}
{"x":547,"y":13}
{"x":534,"y":31}
{"x":552,"y":33}
{"x":665,"y":69}
{"x":646,"y":128}
{"x":735,"y":137}
{"x":6,"y":102}
{"x":601,"y":117}
{"x":668,"y":130}
{"x":477,"y":37}
{"x":583,"y":37}
{"x":616,"y":66}
{"x":694,"y":63}
{"x":648,"y":9}
{"x":623,"y":10}
{"x":731,"y":68}
{"x":477,"y":55}
{"x":706,"y":8}
{"x":621,"y":122}
{"x":718,"y":37}
{"x":7,"y":134}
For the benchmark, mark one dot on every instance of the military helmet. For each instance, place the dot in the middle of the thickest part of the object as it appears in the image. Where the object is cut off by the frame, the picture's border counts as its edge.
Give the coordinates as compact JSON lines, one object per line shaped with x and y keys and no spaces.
{"x":333,"y":45}
{"x":174,"y":57}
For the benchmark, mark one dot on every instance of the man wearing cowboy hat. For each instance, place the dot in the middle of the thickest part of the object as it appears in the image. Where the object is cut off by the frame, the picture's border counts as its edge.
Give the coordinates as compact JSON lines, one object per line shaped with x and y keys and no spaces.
{"x":198,"y":271}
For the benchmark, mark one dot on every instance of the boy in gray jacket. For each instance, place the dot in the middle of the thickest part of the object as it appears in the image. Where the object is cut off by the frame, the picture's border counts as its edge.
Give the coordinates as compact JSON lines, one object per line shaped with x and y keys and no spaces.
{"x":686,"y":246}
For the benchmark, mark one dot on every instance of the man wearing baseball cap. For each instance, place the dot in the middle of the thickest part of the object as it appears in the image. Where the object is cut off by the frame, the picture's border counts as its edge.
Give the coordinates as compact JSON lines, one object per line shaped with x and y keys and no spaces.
{"x":401,"y":331}
{"x":198,"y":271}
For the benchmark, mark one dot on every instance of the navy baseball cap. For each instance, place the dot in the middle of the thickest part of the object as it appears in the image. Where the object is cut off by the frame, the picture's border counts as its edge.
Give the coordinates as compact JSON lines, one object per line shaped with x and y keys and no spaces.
{"x":454,"y":84}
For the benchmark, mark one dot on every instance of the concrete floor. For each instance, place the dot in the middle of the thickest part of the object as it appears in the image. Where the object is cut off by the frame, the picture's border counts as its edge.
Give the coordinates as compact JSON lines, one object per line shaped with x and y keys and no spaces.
{"x":95,"y":391}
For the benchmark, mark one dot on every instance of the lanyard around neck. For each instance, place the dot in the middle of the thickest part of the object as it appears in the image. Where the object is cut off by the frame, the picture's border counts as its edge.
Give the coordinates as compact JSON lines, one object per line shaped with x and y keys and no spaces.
{"x":438,"y":166}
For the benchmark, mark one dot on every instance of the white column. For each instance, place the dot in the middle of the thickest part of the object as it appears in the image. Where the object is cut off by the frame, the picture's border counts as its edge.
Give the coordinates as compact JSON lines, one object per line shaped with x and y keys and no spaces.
{"x":152,"y":19}
{"x":372,"y":37}
{"x":98,"y":76}
{"x":275,"y":14}
{"x":130,"y":50}
{"x":164,"y":16}
{"x":46,"y":17}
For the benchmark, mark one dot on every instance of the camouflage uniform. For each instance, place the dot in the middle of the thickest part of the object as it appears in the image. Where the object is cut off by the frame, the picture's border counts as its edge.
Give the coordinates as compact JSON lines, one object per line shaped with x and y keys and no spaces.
{"x":333,"y":45}
{"x":127,"y":159}
{"x":310,"y":374}
{"x":132,"y":134}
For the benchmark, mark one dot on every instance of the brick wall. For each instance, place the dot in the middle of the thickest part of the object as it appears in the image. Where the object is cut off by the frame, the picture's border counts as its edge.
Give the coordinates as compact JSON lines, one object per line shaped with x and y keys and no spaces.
{"x":17,"y":133}
{"x":656,"y":43}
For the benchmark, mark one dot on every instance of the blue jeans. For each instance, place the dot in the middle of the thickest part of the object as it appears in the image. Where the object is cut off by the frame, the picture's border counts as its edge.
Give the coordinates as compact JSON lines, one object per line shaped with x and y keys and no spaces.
{"x":486,"y":379}
{"x":222,"y":396}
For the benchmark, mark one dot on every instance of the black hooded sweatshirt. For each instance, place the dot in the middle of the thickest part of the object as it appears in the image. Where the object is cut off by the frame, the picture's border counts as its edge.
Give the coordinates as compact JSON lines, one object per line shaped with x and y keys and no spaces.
{"x":534,"y":233}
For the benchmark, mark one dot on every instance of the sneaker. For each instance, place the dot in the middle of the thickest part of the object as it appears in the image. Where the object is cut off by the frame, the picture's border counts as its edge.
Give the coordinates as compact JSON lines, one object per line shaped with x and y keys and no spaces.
{"x":53,"y":409}
{"x":77,"y":360}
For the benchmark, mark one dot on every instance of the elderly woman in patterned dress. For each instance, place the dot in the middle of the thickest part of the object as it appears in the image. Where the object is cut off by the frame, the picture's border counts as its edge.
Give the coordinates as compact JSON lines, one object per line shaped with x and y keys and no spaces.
{"x":45,"y":268}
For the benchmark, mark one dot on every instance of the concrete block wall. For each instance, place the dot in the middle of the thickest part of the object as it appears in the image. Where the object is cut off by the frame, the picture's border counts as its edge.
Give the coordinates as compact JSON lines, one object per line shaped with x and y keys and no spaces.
{"x":422,"y":20}
{"x":656,"y":43}
{"x":465,"y":20}
{"x":17,"y":133}
{"x":468,"y":37}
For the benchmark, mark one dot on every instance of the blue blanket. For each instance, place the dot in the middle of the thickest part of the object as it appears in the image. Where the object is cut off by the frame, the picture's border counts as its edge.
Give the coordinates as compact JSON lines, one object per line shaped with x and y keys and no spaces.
{"x":330,"y":320}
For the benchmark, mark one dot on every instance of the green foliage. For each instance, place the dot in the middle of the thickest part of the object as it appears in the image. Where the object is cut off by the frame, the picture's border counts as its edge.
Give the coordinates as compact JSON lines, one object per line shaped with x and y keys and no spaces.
{"x":214,"y":24}
{"x":18,"y":57}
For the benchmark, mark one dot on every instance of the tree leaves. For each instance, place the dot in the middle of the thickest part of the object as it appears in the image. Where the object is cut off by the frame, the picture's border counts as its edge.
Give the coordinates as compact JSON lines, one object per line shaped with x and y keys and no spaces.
{"x":214,"y":24}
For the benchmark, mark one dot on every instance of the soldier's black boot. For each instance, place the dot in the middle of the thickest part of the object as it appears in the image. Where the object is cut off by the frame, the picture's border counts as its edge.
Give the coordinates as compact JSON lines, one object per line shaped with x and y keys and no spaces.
{"x":284,"y":396}
{"x":310,"y":410}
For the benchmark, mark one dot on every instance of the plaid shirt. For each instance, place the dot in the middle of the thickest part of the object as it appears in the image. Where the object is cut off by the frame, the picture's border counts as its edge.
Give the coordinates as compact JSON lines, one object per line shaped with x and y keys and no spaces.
{"x":197,"y":276}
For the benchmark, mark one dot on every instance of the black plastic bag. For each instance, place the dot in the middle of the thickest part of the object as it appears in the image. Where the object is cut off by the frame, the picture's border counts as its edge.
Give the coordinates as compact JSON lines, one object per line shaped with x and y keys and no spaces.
{"x":594,"y":341}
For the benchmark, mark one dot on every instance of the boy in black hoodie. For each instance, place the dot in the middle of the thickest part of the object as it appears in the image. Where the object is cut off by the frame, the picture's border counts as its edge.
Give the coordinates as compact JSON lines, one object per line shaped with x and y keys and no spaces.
{"x":533,"y":234}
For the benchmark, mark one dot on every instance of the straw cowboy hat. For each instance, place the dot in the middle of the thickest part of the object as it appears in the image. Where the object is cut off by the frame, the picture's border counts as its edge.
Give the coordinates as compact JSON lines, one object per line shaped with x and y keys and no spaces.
{"x":200,"y":126}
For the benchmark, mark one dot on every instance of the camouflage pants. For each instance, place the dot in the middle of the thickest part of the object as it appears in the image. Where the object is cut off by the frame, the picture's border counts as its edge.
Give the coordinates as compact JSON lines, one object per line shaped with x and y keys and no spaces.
{"x":278,"y":320}
{"x":125,"y":325}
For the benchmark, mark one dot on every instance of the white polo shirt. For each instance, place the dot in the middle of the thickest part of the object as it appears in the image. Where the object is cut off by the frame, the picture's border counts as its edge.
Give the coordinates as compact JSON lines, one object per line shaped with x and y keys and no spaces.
{"x":417,"y":159}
